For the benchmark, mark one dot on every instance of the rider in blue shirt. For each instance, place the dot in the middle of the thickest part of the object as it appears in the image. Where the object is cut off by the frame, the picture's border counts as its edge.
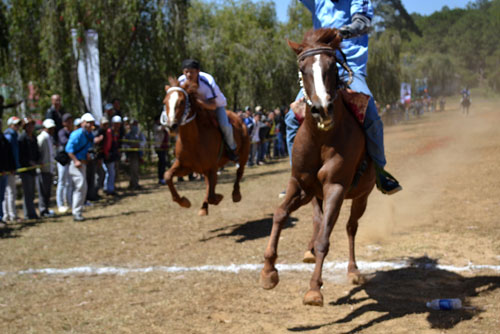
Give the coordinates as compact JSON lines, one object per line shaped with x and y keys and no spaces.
{"x":353,"y":19}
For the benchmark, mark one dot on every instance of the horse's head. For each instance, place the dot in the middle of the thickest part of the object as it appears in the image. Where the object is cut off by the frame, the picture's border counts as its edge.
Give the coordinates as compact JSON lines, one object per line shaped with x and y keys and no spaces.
{"x":177,"y":104}
{"x":316,"y":57}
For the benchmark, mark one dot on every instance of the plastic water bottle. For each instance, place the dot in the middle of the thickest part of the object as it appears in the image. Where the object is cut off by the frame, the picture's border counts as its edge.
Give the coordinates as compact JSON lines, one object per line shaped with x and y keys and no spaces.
{"x":445,"y":304}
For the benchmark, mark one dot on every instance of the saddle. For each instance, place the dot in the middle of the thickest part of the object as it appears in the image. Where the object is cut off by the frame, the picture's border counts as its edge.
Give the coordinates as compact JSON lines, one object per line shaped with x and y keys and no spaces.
{"x":356,"y":103}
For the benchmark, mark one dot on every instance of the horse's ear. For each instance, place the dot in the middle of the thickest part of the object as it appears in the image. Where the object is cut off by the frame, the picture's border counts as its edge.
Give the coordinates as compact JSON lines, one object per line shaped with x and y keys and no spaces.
{"x":173,"y":82}
{"x":298,"y":48}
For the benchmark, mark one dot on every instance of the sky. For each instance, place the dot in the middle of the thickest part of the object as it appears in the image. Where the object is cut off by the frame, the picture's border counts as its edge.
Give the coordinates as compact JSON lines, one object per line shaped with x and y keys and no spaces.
{"x":423,"y":7}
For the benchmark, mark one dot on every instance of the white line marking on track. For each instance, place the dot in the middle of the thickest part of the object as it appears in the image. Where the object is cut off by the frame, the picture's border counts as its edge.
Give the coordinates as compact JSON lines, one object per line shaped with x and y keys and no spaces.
{"x":236,"y":268}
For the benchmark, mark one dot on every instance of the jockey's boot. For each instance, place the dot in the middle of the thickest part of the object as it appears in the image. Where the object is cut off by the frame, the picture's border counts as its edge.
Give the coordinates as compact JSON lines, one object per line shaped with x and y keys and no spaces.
{"x":386,"y":183}
{"x":231,"y":154}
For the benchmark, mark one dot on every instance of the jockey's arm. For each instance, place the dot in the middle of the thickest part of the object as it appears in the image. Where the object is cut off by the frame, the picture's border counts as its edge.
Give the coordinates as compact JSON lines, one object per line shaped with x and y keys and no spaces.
{"x":208,"y":105}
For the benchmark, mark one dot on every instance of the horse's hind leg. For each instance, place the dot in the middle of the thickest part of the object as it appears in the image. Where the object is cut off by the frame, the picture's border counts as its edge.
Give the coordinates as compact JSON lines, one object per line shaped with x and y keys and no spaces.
{"x":317,"y":218}
{"x":357,"y":210}
{"x":213,"y":197}
{"x":294,"y":199}
{"x":210,"y":196}
{"x":236,"y":188}
{"x":176,"y":170}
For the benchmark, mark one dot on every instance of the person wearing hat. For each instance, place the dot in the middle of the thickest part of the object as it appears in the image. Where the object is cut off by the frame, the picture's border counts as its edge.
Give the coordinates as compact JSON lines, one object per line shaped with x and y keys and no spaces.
{"x":47,"y":168}
{"x":7,"y":166}
{"x":9,"y":204}
{"x":56,"y":112}
{"x":212,"y":99}
{"x":79,"y":143}
{"x":109,"y":111}
{"x":29,"y":156}
{"x":63,"y":191}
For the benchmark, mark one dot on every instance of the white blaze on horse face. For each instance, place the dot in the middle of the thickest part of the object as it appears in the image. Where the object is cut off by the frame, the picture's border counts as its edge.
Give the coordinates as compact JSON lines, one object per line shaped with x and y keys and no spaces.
{"x":172,"y":103}
{"x":319,"y":85}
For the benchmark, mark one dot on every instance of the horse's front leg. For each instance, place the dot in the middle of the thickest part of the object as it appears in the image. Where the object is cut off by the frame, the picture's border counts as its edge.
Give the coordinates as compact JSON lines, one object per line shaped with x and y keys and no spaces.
{"x":176,"y":170}
{"x":317,"y":218}
{"x":332,"y":202}
{"x":294,"y":199}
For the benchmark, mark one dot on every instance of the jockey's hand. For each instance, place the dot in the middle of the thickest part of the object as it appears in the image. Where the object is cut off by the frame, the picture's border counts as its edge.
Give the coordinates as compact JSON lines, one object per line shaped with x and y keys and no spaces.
{"x":299,"y":107}
{"x":360,"y":25}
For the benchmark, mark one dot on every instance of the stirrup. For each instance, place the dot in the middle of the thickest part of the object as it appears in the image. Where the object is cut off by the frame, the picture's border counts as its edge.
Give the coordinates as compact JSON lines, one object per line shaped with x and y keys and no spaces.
{"x":390,"y":186}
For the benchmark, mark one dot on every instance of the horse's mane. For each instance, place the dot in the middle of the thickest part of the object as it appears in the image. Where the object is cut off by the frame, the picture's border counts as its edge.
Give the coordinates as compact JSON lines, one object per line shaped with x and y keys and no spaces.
{"x":322,"y":37}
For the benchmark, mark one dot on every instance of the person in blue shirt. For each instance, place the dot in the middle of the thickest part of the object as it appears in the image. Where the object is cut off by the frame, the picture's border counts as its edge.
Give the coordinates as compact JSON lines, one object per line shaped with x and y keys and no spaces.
{"x":353,"y":19}
{"x":79,"y":143}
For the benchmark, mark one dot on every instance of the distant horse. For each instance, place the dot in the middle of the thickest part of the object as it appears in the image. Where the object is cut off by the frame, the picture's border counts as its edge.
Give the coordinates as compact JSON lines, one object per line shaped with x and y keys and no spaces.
{"x":465,"y":103}
{"x":329,"y":161}
{"x":200,"y":147}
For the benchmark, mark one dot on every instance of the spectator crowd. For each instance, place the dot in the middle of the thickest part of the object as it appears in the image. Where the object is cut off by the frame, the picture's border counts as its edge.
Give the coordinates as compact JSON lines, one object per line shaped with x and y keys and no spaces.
{"x":81,"y":155}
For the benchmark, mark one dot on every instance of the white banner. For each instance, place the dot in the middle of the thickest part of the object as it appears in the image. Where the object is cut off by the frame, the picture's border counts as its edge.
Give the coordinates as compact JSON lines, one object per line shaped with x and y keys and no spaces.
{"x":89,"y":78}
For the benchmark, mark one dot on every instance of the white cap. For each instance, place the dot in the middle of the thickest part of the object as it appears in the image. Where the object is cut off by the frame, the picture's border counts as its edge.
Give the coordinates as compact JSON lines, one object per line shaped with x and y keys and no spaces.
{"x":49,"y":123}
{"x":87,"y":117}
{"x":13,"y":120}
{"x":116,"y":119}
{"x":77,"y":121}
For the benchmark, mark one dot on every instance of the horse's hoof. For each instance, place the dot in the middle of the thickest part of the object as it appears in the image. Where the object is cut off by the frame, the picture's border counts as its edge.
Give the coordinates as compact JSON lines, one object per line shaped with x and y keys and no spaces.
{"x":203,"y":212}
{"x":236,"y":196}
{"x":269,"y":280}
{"x":313,"y":298}
{"x":356,"y":278}
{"x":309,"y":257}
{"x":215,"y":199}
{"x":184,"y":202}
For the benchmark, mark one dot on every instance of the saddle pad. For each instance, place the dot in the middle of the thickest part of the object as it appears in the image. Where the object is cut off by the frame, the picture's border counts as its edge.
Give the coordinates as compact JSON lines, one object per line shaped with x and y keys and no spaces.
{"x":357,"y":103}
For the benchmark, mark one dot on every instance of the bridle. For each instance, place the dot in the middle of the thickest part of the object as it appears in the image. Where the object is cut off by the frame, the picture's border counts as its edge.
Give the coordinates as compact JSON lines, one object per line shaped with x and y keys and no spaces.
{"x":187,"y":109}
{"x":331,"y":52}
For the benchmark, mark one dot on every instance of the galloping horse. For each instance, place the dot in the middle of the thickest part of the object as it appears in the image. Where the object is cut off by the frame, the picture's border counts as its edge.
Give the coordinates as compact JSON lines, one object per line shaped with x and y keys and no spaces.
{"x":465,"y":103}
{"x":329,"y":160}
{"x":200,"y":147}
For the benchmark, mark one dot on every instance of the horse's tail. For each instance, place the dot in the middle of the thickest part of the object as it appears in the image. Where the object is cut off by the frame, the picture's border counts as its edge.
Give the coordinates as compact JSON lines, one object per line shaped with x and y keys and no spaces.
{"x":241,"y":136}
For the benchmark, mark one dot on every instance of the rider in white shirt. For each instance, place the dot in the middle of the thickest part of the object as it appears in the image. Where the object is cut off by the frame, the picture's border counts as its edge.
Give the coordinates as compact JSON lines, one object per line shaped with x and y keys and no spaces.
{"x":212,"y":99}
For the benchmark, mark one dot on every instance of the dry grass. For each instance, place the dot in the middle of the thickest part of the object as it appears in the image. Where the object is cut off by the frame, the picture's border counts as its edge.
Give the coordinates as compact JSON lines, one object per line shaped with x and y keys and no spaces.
{"x":448,"y":212}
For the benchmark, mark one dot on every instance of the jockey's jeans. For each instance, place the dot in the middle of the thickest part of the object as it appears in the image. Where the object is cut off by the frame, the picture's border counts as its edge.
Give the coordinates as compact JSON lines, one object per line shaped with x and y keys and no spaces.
{"x":373,"y":126}
{"x":225,"y":126}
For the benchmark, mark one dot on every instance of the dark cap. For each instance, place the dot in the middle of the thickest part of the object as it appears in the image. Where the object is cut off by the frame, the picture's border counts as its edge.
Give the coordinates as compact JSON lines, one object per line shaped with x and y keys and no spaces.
{"x":190,"y":63}
{"x":66,"y":116}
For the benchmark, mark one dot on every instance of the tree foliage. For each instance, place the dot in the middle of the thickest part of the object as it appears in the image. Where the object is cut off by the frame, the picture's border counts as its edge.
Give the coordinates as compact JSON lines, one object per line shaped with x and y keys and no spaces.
{"x":240,"y":42}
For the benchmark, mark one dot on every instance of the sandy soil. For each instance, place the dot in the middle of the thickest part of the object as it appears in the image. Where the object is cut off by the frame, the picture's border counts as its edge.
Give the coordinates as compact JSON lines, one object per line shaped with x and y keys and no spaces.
{"x":446,"y":215}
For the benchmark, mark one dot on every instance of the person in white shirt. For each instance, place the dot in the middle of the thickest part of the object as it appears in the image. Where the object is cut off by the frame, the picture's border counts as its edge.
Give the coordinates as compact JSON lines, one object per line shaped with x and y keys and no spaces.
{"x":212,"y":99}
{"x":47,"y":154}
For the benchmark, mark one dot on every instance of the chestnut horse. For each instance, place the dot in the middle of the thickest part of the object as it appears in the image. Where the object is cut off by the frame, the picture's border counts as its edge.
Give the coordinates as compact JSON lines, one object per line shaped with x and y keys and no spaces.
{"x":200,"y":147}
{"x":327,"y":157}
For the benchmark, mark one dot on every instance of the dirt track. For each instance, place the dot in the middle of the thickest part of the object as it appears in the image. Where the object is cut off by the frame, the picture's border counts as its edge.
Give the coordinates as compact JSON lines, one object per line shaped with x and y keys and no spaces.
{"x":447,"y":214}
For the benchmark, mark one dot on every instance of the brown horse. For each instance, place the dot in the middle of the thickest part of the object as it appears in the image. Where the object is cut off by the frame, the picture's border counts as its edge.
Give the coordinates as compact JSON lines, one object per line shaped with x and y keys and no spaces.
{"x":327,"y":157}
{"x":200,"y":147}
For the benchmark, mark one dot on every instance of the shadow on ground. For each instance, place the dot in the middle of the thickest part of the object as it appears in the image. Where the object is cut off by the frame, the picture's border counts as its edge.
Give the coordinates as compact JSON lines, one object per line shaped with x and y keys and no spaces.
{"x":401,"y":292}
{"x":250,"y":230}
